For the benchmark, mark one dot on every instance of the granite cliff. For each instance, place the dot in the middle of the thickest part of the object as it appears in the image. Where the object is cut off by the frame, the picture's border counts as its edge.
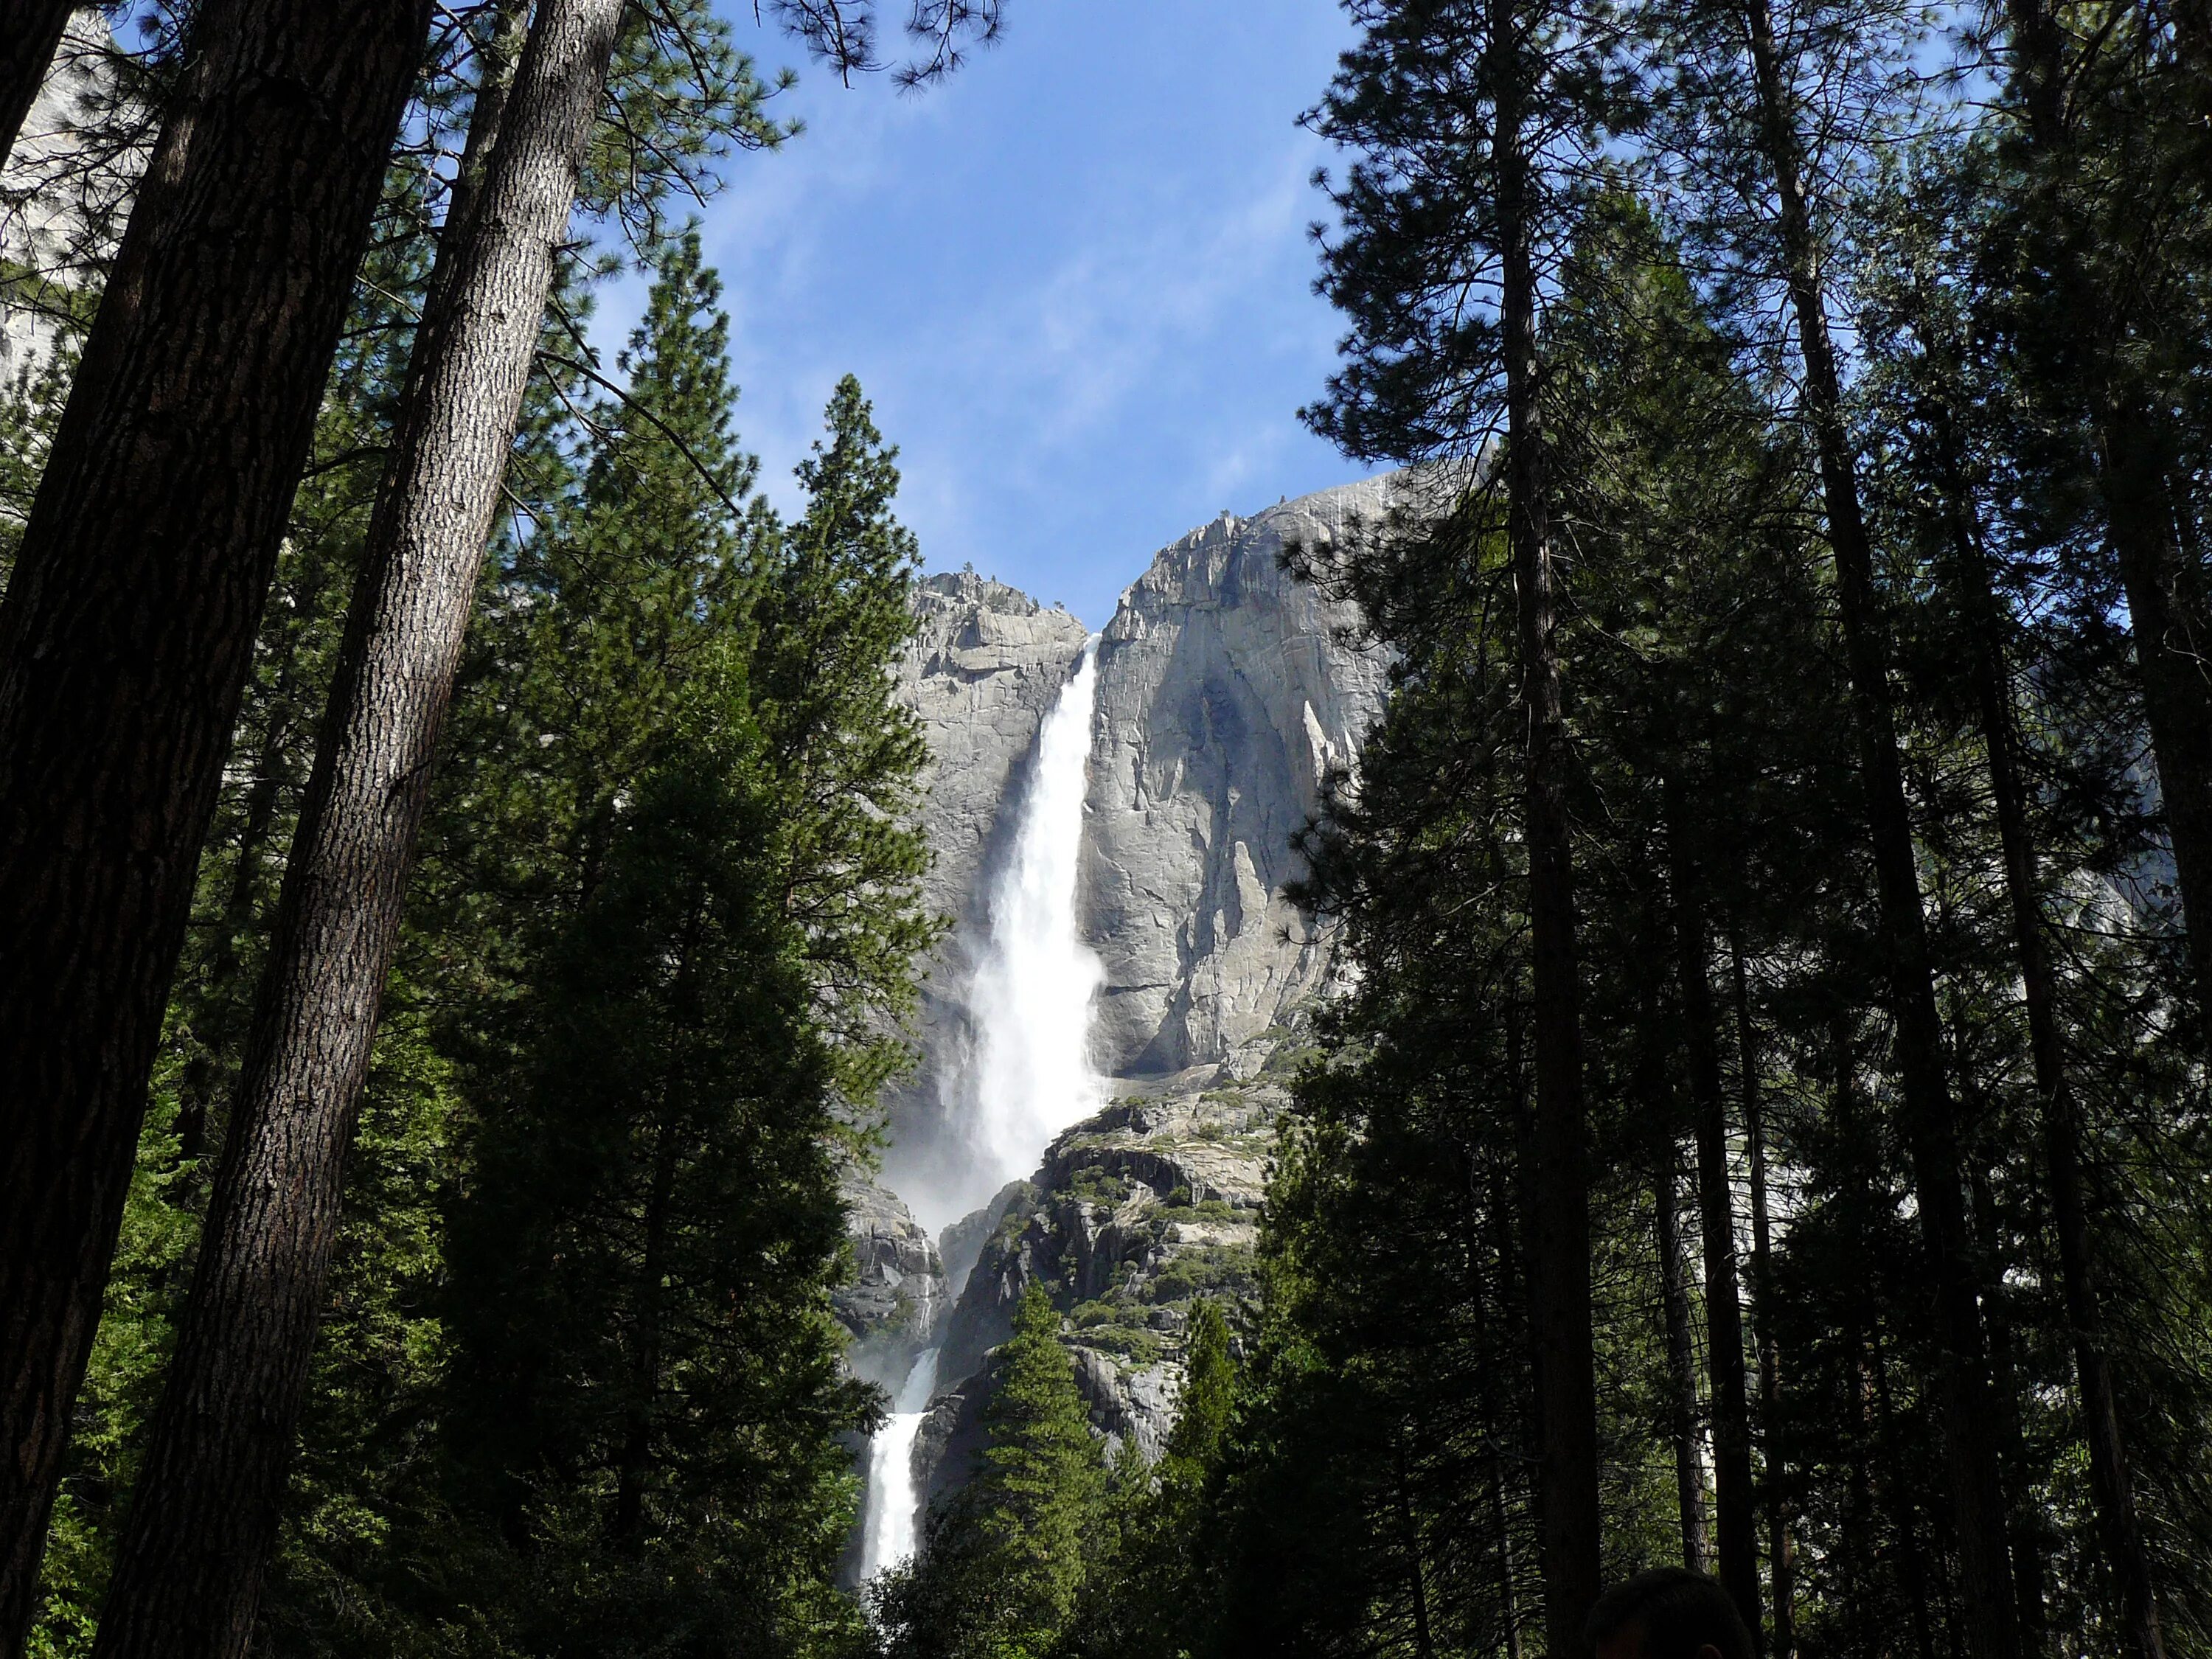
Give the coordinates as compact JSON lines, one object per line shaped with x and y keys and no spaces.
{"x":1227,"y":692}
{"x":64,"y":189}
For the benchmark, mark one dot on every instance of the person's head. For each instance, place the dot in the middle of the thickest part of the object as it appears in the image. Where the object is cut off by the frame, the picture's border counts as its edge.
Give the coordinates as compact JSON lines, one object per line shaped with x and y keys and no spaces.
{"x":1669,"y":1612}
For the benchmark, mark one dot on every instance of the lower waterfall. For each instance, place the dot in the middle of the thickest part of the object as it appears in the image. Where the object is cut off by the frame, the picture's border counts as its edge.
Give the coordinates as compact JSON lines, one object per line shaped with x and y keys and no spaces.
{"x":893,"y":1509}
{"x":1029,"y":1074}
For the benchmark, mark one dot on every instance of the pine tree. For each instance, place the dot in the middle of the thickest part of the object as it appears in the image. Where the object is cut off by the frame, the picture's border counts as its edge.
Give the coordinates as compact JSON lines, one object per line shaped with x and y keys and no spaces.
{"x":1470,"y":123}
{"x":204,"y":1518}
{"x":1152,"y":1586}
{"x":1002,"y":1567}
{"x":642,"y":1414}
{"x":127,"y":635}
{"x":1041,"y":1477}
{"x":1743,"y":77}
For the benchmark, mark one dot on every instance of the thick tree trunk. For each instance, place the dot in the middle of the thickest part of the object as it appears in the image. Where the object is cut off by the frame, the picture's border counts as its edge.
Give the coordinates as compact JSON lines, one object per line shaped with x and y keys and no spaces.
{"x":2167,"y":611}
{"x":1562,"y":1317}
{"x":1738,"y":1549}
{"x":2172,"y":636}
{"x":1931,"y":1125}
{"x":1781,"y":1550}
{"x":189,"y":1570}
{"x":128,"y":632}
{"x":29,"y":37}
{"x":2119,"y":1531}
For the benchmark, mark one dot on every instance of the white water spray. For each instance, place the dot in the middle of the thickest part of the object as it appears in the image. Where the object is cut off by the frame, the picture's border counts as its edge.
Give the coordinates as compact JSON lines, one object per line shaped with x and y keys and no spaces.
{"x":1034,"y":988}
{"x":1030,"y":1076}
{"x":893,"y":1507}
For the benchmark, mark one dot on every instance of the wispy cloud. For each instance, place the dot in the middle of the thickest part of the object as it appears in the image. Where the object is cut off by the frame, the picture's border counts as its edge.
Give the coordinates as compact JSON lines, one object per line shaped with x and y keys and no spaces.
{"x":1075,"y":280}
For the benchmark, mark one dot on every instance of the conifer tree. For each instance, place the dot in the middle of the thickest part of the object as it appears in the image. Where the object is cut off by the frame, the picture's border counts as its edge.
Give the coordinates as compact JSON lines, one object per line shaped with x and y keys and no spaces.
{"x":1470,"y":123}
{"x":1003,"y":1564}
{"x":127,"y":633}
{"x":2108,"y":311}
{"x":1743,"y":77}
{"x":221,"y":1441}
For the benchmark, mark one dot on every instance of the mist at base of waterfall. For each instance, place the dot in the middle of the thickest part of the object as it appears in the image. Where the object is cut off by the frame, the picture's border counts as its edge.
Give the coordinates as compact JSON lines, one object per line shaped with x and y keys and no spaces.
{"x":1029,"y":1075}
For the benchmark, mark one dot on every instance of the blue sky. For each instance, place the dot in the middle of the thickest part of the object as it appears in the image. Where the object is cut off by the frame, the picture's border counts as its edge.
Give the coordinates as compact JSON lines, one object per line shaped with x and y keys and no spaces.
{"x":1074,"y":278}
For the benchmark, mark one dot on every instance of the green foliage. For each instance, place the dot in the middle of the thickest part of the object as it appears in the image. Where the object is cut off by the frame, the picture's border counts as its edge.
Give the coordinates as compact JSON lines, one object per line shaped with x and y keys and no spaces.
{"x":580,"y":1386}
{"x":1003,"y":1566}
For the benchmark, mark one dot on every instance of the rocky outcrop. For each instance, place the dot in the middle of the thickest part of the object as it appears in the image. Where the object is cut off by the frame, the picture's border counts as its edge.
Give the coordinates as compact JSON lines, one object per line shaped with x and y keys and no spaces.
{"x":1227,"y":691}
{"x":984,"y":667}
{"x":962,"y":1243}
{"x":897,"y":1299}
{"x":1135,"y":1212}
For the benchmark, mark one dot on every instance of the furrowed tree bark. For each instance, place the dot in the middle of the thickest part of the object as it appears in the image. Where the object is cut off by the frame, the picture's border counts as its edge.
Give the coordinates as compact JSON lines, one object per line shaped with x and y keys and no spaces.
{"x":1931,"y":1125}
{"x":1562,"y":1317}
{"x":1781,"y":1550}
{"x":1738,"y":1549}
{"x":2168,"y":614}
{"x":2119,"y":1529}
{"x":189,"y":1570}
{"x":29,"y":37}
{"x":127,"y":635}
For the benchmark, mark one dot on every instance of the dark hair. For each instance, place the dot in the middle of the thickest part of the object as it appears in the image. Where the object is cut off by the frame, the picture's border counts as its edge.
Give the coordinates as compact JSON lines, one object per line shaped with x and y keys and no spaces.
{"x":1680,"y":1611}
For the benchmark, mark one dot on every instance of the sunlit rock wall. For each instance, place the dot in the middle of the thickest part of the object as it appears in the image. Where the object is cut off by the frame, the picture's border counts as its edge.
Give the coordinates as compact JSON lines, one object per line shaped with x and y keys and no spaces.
{"x":986,"y":664}
{"x":1227,"y":689}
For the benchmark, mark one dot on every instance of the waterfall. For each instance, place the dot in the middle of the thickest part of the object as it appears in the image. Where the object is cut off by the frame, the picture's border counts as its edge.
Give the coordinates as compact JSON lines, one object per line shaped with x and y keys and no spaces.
{"x":1031,"y":998}
{"x":1028,"y":1076}
{"x":893,"y":1506}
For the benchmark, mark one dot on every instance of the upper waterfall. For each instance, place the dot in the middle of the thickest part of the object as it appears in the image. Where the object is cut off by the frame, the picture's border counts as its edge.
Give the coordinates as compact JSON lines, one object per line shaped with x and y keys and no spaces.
{"x":1030,"y":1075}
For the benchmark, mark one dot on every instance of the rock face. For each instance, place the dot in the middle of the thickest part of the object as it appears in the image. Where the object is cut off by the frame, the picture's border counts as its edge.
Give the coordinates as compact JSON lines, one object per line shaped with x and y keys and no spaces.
{"x":898,"y":1297}
{"x":1135,"y":1212}
{"x":985,"y":666}
{"x":62,"y":195}
{"x":1226,"y":693}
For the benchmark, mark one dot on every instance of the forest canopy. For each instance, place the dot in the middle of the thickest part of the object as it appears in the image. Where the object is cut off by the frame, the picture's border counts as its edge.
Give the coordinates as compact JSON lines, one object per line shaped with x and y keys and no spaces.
{"x":462,"y":865}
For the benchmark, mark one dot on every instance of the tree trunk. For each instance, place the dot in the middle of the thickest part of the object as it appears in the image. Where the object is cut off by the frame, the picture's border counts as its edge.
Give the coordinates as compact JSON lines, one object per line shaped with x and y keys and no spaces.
{"x":1510,"y":1611}
{"x":1652,"y":1098}
{"x":189,"y":1570}
{"x":1738,"y":1549}
{"x":1425,"y":1645}
{"x":2029,"y":1596}
{"x":128,"y":631}
{"x":28,"y":40}
{"x":634,"y":1462}
{"x":1731,"y":1408}
{"x":1681,"y":1359}
{"x":1931,"y":1125}
{"x":1781,"y":1552}
{"x":1896,"y":1488}
{"x":1562,"y":1317}
{"x":2119,"y":1532}
{"x":2167,"y":612}
{"x":2172,"y":637}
